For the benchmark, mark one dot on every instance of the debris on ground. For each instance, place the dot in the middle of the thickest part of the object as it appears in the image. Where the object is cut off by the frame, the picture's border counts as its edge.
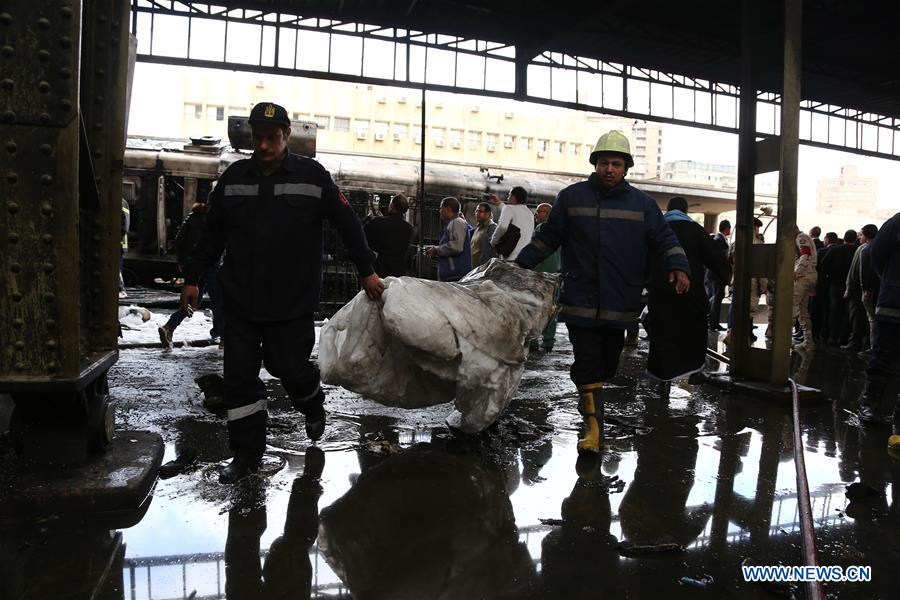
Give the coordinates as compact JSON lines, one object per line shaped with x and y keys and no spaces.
{"x":429,"y":342}
{"x":382,"y":447}
{"x":213,"y":387}
{"x":703,"y":581}
{"x":627,"y":548}
{"x":184,"y":458}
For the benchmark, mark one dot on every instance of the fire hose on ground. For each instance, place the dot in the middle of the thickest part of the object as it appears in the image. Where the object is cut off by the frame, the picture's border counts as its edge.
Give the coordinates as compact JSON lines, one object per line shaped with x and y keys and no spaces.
{"x":809,"y":554}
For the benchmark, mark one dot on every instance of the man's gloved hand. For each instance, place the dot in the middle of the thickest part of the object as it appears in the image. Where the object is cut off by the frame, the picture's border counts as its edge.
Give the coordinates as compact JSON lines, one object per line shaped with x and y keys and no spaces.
{"x":372,"y":284}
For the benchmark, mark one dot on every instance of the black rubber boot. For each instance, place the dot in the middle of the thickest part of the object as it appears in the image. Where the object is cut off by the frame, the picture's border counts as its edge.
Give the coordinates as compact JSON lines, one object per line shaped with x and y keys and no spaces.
{"x":240,"y":466}
{"x":871,"y":405}
{"x":314,"y":411}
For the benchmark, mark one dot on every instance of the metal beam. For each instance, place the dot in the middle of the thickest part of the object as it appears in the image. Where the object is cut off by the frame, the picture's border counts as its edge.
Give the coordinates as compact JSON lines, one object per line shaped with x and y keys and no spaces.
{"x":787,"y":194}
{"x":741,"y":363}
{"x":624,"y":90}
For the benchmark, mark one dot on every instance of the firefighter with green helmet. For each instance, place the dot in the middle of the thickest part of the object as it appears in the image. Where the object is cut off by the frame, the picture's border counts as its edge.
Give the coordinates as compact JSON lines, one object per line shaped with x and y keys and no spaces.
{"x":605,"y":228}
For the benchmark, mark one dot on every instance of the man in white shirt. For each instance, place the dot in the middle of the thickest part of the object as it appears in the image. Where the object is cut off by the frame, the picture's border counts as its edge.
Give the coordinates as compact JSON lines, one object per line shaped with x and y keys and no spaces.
{"x":517,"y":213}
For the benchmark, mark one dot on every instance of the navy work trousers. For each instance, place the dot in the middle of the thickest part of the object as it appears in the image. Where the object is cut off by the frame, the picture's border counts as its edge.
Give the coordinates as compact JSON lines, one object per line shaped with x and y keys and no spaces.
{"x":597,"y":351}
{"x":284,"y":347}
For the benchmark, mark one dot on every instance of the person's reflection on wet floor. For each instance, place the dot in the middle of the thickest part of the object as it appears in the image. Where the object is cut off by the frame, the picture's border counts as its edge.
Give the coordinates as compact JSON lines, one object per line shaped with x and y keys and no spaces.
{"x":287,"y":572}
{"x":579,"y":559}
{"x":246,"y":524}
{"x":653,"y":510}
{"x":425,"y":523}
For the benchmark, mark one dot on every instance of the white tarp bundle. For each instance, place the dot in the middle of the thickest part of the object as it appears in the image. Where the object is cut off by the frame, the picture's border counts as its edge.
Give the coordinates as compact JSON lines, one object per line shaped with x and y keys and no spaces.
{"x":427,"y":342}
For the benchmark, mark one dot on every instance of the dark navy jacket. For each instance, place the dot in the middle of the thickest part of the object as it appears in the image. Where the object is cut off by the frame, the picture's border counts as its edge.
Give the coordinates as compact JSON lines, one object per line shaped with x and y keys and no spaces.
{"x":604,"y":237}
{"x":885,"y":254}
{"x":271,"y":226}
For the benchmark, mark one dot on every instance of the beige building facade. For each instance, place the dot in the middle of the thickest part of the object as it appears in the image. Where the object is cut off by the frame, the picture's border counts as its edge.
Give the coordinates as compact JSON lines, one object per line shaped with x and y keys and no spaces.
{"x":359,"y":118}
{"x":709,"y":174}
{"x":848,"y":194}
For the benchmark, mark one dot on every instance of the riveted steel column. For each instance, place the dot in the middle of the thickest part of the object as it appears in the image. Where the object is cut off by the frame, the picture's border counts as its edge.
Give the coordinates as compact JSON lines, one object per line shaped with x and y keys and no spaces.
{"x":39,"y":62}
{"x":787,"y":193}
{"x":103,"y":95}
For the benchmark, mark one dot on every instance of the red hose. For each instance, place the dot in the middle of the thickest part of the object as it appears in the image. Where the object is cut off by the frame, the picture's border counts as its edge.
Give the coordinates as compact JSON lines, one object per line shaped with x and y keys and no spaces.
{"x":808,"y":550}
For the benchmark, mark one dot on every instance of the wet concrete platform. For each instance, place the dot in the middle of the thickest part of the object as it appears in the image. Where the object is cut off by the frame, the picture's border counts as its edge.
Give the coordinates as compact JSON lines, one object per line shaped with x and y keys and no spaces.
{"x":391,"y":504}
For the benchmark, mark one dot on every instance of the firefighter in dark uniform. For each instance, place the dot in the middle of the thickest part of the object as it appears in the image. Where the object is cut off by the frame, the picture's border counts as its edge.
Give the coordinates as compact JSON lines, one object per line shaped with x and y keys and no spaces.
{"x":267,"y":212}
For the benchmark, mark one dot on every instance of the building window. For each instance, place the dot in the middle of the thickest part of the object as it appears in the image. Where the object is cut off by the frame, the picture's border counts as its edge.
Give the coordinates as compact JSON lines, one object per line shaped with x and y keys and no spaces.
{"x":437,"y":136}
{"x":193,"y":111}
{"x":474,"y":139}
{"x":380,"y":129}
{"x":361,"y":127}
{"x":542,"y":145}
{"x":237,"y":111}
{"x":524,"y":143}
{"x":215,"y":113}
{"x":341,"y":124}
{"x":417,"y":134}
{"x":573,"y":149}
{"x":299,"y":116}
{"x":559,"y":147}
{"x":400,"y":131}
{"x":509,"y":141}
{"x":322,"y":121}
{"x":456,"y":136}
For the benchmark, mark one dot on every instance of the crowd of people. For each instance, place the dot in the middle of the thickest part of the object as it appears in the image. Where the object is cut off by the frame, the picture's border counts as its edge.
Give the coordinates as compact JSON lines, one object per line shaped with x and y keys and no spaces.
{"x":835,"y":288}
{"x":609,"y":240}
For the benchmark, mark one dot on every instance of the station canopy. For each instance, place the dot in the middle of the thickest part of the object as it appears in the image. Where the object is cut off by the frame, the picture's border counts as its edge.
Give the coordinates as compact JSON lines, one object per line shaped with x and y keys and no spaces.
{"x":850,"y":51}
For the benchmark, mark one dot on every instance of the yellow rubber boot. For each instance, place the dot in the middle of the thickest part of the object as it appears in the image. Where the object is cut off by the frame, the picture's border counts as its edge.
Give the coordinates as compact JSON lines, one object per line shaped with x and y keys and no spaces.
{"x":894,"y":443}
{"x":592,"y":411}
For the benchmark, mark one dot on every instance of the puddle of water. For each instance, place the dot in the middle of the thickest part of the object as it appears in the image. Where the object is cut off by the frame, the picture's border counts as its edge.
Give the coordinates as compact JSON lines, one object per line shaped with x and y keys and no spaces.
{"x":404,"y":509}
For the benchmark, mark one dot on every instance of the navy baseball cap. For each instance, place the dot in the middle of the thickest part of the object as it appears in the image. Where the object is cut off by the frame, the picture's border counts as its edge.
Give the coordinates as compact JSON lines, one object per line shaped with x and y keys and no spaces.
{"x":269,"y":113}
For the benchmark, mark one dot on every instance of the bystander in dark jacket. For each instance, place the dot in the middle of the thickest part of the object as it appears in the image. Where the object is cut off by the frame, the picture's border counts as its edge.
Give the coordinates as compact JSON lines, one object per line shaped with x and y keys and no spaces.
{"x":390,"y":238}
{"x":835,"y":267}
{"x":677,"y":322}
{"x":715,"y":286}
{"x":876,"y":404}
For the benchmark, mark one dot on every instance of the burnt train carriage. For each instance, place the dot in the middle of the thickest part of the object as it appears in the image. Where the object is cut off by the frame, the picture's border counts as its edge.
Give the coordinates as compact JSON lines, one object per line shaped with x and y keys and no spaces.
{"x":164,"y":177}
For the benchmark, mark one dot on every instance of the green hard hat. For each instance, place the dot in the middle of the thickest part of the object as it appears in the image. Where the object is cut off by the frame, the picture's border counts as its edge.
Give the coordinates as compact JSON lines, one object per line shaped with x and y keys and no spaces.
{"x":615,"y":142}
